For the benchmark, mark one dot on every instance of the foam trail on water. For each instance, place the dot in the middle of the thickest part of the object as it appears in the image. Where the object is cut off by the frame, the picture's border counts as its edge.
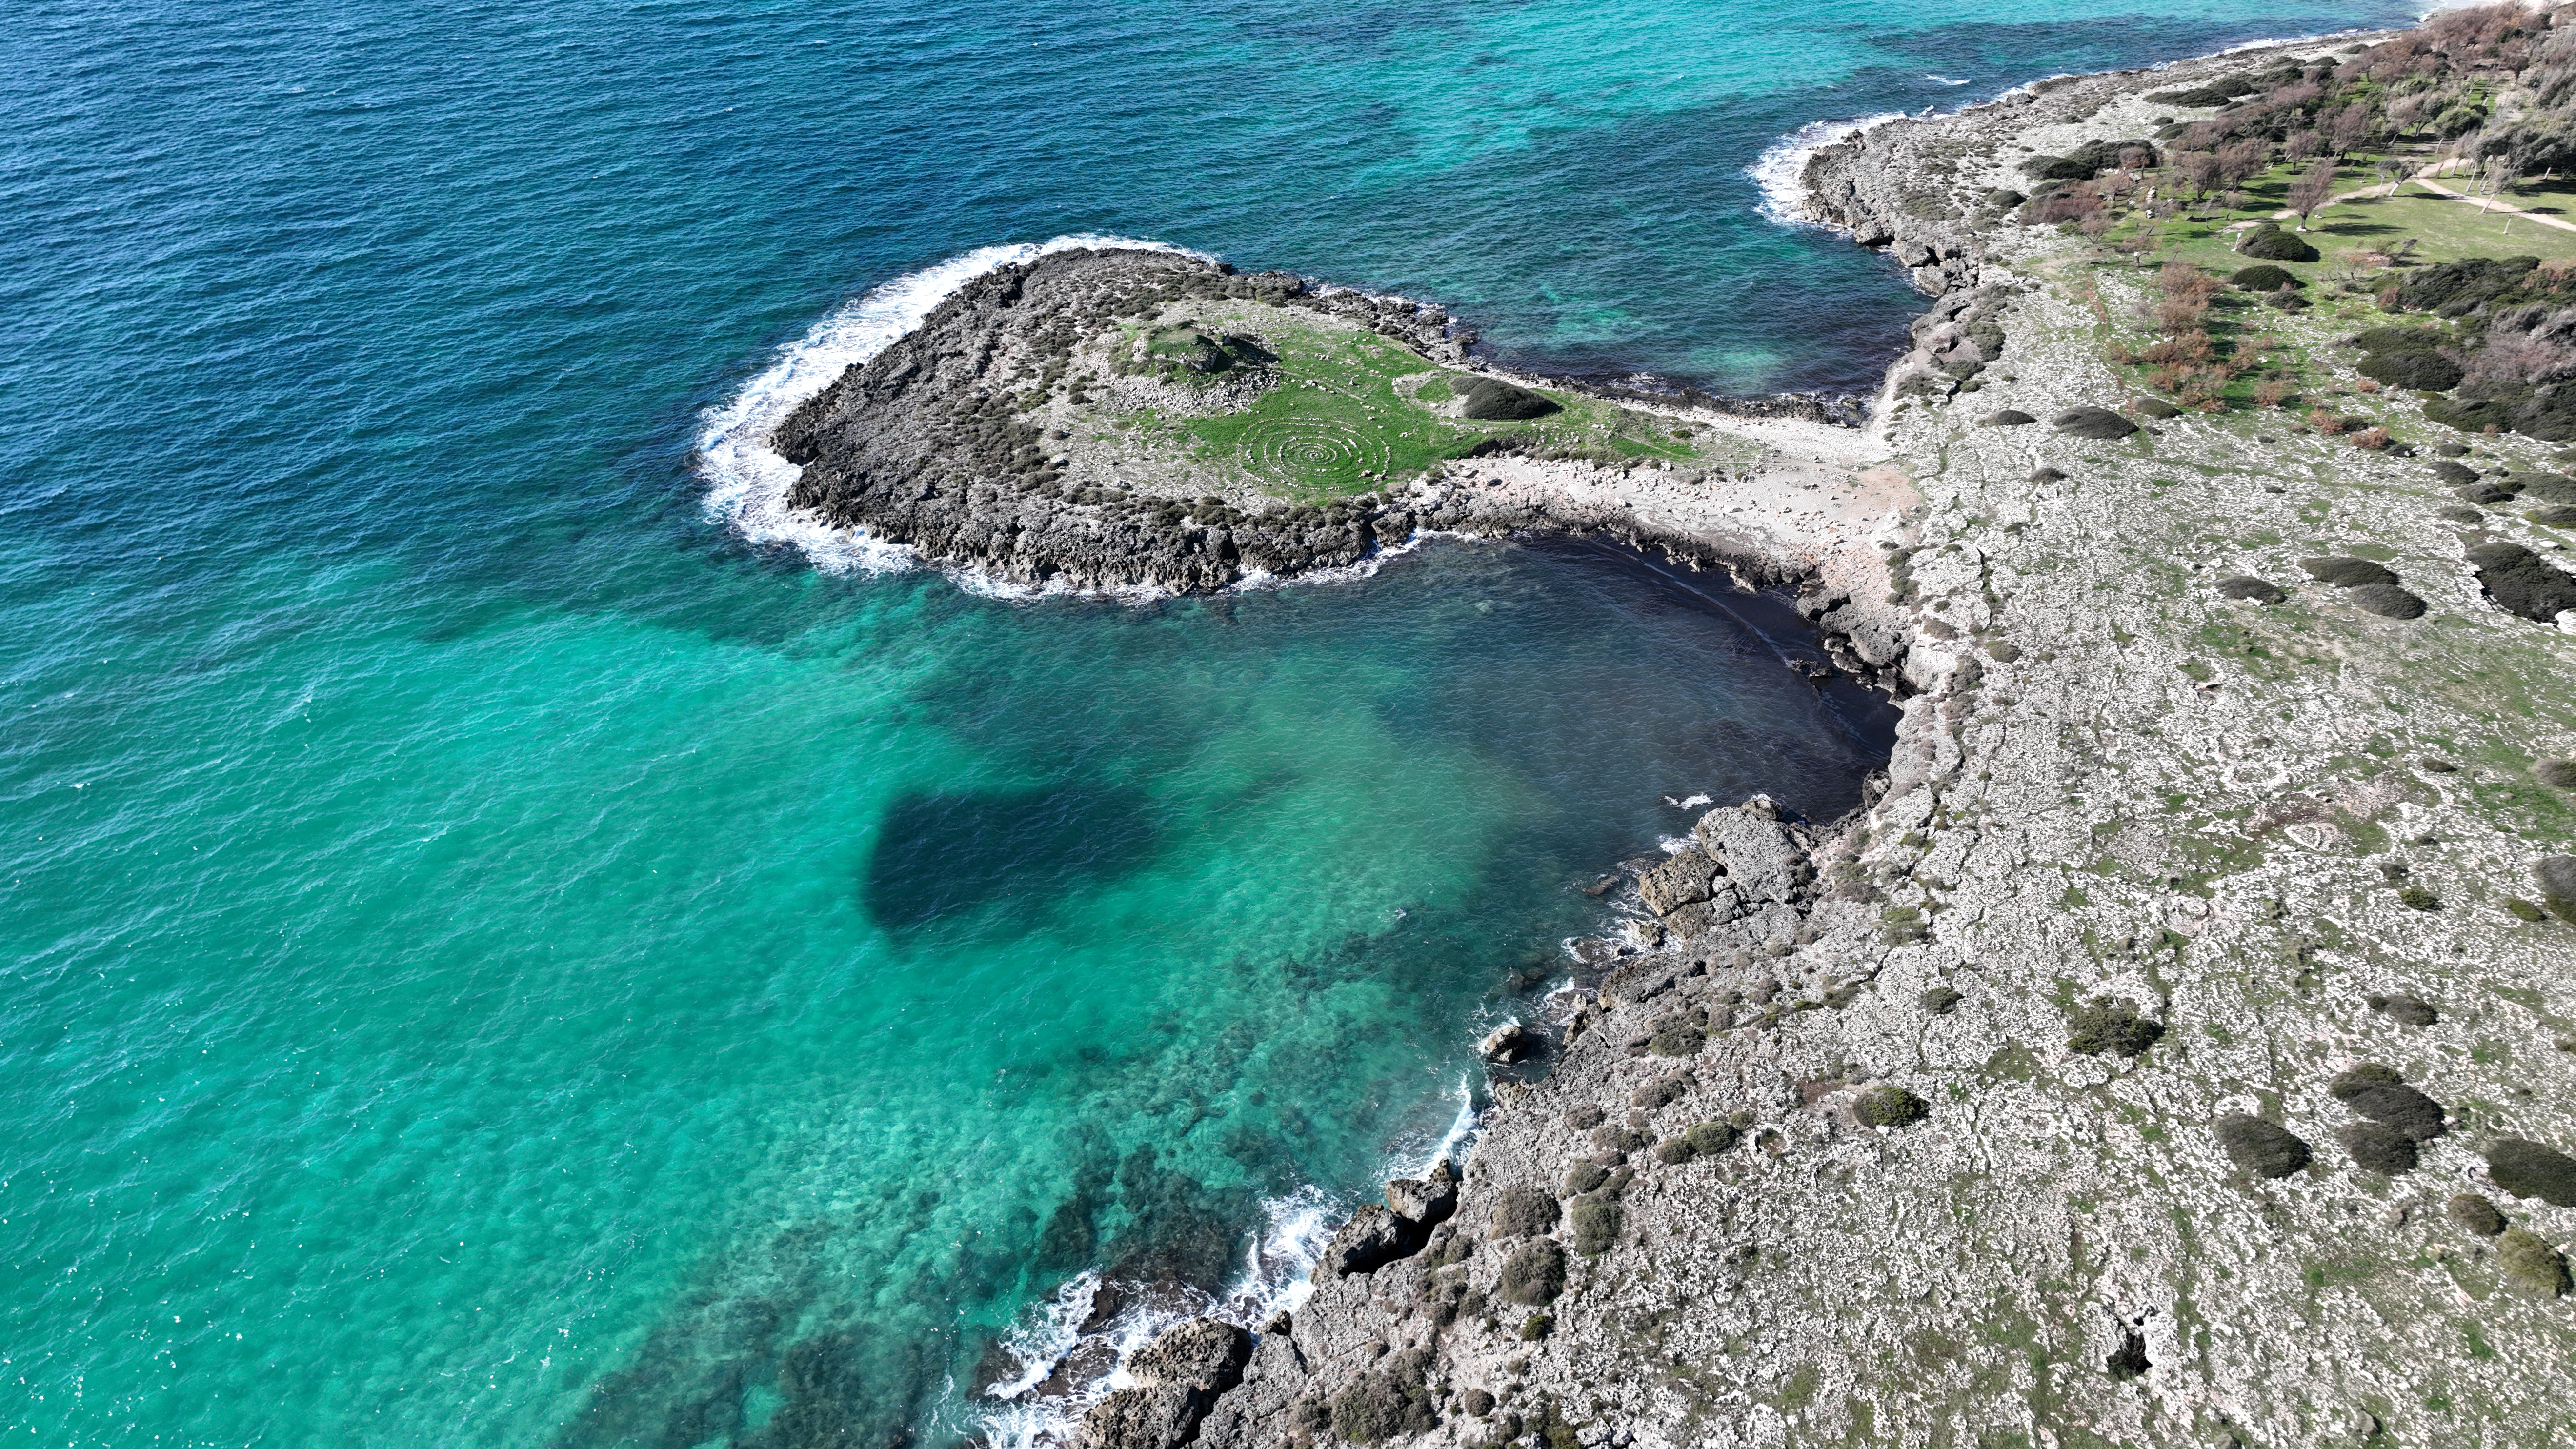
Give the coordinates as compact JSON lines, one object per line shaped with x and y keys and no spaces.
{"x":748,"y":483}
{"x":1780,"y":167}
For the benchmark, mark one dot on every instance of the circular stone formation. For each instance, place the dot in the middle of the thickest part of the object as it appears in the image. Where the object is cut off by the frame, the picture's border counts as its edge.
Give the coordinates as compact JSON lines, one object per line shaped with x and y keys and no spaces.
{"x":1312,"y":451}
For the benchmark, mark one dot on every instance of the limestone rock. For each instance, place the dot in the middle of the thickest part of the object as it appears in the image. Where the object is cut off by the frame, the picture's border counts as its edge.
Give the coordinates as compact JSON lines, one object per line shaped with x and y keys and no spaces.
{"x":1178,"y":1377}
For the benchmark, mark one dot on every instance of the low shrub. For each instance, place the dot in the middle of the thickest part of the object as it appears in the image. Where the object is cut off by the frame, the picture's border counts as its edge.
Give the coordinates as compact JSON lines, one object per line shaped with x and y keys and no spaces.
{"x":2007,"y":418}
{"x":2388,"y":602}
{"x":2404,"y":1009}
{"x":2106,"y":1024}
{"x":2414,"y":371}
{"x":2417,"y":898}
{"x":2271,"y":244}
{"x":1708,"y":1139}
{"x":1535,"y":1275}
{"x":2525,"y":910}
{"x":2264,"y":277}
{"x":1523,"y":1211}
{"x":2528,"y":1169}
{"x":1616,"y":1137}
{"x":1585,"y":1117}
{"x":1477,"y":1403}
{"x":2556,"y":515}
{"x":1676,"y":1036}
{"x":2531,"y":1266}
{"x":1939,"y":999}
{"x":2557,"y":877}
{"x":2377,"y":1148}
{"x":2099,"y":425}
{"x":2249,"y":589}
{"x":1596,"y":1224}
{"x":2521,"y":583}
{"x":1536,"y":1327}
{"x":2345,"y":572}
{"x":2379,"y":1094}
{"x":1674,"y":1151}
{"x":2560,"y":773}
{"x":2475,"y":1214}
{"x":1663,"y":1091}
{"x":2259,"y":1147}
{"x":1583,"y":1176}
{"x":1388,"y":1401}
{"x":1888,"y":1106}
{"x":1490,"y":399}
{"x":2456,"y":474}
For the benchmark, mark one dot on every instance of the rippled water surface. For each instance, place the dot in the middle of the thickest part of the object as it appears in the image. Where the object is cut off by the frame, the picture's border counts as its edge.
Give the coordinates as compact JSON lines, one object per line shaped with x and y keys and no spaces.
{"x":494,"y":955}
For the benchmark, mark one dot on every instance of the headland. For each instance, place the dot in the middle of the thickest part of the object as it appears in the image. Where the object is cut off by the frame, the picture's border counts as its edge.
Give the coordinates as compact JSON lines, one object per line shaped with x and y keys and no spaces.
{"x":2178,"y":1048}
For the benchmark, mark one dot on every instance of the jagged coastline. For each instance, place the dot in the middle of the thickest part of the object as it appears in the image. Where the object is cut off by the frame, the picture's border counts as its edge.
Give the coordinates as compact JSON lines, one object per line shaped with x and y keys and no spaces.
{"x":2167,"y":1054}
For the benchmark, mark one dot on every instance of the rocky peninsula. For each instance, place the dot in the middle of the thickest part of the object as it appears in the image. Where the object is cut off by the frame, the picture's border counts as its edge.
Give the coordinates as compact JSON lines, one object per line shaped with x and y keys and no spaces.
{"x":2181,"y":1047}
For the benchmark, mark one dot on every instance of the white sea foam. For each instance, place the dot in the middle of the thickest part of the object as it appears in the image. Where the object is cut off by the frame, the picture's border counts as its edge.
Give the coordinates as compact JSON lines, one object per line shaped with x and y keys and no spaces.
{"x":1778,"y":171}
{"x":748,"y":483}
{"x":1943,"y":80}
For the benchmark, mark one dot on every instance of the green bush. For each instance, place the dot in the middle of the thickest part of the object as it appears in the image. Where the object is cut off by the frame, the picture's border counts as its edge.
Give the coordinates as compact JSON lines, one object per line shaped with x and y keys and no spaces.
{"x":2528,"y":1169}
{"x":1708,"y":1139}
{"x":2560,"y":773}
{"x":2525,"y":910}
{"x":2381,"y":1095}
{"x":2271,"y":244}
{"x":2100,"y":425}
{"x":1523,"y":1211}
{"x":1674,"y":1151}
{"x":1535,"y":1275}
{"x":1536,"y":1327}
{"x":2416,"y":897}
{"x":1889,"y":1106}
{"x":2387,"y":601}
{"x":2476,"y":1214}
{"x":2259,"y":1147}
{"x":2106,"y":1024}
{"x":1490,"y":399}
{"x":1663,"y":1091}
{"x":1584,"y":1176}
{"x":1596,"y":1224}
{"x":2377,"y":1148}
{"x":2413,"y":371}
{"x":2521,"y":583}
{"x":2531,"y":1265}
{"x":1676,"y":1036}
{"x":1387,"y":1402}
{"x":2403,"y":1009}
{"x":2345,"y":572}
{"x":1939,"y":999}
{"x":2264,"y":277}
{"x":2251,"y":589}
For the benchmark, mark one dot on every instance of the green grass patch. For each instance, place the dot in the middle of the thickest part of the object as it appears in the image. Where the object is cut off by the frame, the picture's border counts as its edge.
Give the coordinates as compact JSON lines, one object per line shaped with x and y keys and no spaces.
{"x":1337,"y":423}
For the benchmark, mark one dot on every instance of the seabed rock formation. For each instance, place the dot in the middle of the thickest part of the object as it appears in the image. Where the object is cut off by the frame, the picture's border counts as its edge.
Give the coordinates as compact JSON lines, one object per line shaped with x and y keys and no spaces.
{"x":2181,"y":1046}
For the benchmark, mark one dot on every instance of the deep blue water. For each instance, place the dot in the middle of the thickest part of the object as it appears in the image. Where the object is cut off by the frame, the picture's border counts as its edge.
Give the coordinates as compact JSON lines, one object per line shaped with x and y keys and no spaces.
{"x":494,"y":956}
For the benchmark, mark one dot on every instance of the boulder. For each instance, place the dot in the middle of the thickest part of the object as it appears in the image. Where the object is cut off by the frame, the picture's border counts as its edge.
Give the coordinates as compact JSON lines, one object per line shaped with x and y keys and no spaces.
{"x":1508,"y":1043}
{"x":1762,"y":862}
{"x":1428,"y":1199}
{"x":1678,"y":882}
{"x":1373,"y":1238}
{"x":2557,"y":877}
{"x":1178,"y":1378}
{"x":2007,"y":418}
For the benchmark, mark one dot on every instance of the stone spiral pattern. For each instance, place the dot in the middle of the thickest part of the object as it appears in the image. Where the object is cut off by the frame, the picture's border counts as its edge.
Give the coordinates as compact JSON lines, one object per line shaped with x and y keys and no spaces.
{"x":1313,"y":450}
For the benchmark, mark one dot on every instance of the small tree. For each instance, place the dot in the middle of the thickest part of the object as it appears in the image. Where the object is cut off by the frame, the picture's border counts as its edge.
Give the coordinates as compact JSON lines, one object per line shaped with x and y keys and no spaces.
{"x":2310,"y":191}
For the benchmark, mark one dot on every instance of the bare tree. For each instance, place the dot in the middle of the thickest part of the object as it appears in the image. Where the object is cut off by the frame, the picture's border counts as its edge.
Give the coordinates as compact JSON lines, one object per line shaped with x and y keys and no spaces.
{"x":2311,"y":190}
{"x":2197,"y":170}
{"x":2302,"y":145}
{"x":2350,"y":128}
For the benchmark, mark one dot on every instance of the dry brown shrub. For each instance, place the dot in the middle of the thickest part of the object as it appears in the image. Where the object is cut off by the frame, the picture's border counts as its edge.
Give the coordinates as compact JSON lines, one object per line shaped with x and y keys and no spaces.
{"x":2372,"y":438}
{"x":2271,"y":392}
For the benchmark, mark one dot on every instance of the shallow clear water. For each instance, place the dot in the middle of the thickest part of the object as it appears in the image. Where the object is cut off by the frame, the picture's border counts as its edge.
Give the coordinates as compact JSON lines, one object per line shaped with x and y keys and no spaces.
{"x":493,"y":955}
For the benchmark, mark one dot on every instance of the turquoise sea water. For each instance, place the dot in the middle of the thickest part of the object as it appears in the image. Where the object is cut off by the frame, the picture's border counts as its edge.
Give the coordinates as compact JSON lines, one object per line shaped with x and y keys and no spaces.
{"x":495,"y":954}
